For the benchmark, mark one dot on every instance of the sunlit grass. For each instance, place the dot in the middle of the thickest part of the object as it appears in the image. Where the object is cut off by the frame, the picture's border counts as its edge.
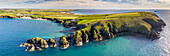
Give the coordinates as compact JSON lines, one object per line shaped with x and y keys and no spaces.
{"x":124,"y":14}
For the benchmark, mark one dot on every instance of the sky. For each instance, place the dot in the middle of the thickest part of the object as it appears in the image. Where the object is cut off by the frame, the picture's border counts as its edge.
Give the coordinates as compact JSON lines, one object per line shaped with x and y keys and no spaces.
{"x":86,"y":4}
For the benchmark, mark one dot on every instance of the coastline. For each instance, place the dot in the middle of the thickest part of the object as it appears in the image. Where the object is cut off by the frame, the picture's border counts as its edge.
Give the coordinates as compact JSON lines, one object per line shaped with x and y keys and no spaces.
{"x":33,"y":18}
{"x":83,"y":33}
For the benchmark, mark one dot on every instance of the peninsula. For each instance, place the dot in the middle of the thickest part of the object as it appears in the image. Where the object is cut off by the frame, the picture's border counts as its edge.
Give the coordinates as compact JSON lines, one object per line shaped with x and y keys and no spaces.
{"x":89,"y":27}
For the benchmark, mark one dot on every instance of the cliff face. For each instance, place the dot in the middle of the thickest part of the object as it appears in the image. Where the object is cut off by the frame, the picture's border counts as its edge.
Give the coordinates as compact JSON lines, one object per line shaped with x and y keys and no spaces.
{"x":63,"y":43}
{"x":8,"y":16}
{"x":105,"y":26}
{"x":77,"y":39}
{"x":147,"y":24}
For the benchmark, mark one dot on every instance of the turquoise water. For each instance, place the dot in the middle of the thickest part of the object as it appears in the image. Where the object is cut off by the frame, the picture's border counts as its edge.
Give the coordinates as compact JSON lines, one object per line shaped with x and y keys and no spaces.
{"x":13,"y":32}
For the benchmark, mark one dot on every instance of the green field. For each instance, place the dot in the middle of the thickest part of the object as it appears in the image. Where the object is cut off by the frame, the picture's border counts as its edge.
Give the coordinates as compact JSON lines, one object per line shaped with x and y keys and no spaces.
{"x":131,"y":19}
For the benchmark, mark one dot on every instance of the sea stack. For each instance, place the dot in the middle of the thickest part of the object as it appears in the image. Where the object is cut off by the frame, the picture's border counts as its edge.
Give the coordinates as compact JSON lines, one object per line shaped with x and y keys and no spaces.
{"x":63,"y":43}
{"x":77,"y":40}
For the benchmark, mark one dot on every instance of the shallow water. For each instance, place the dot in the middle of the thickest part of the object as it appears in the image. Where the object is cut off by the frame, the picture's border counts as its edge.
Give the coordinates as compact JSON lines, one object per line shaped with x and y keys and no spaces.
{"x":13,"y":32}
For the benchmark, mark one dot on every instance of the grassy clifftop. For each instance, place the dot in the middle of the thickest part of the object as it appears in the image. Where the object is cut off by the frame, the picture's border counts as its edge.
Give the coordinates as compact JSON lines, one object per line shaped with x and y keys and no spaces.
{"x":110,"y":25}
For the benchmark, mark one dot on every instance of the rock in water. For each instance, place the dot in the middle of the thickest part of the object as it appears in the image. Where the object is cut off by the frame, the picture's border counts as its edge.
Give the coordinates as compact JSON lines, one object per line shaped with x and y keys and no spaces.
{"x":20,"y":45}
{"x":69,"y":38}
{"x":63,"y":43}
{"x":32,"y":48}
{"x":27,"y":44}
{"x":154,"y":35}
{"x":39,"y":48}
{"x":52,"y":42}
{"x":37,"y":43}
{"x":45,"y":44}
{"x":77,"y":40}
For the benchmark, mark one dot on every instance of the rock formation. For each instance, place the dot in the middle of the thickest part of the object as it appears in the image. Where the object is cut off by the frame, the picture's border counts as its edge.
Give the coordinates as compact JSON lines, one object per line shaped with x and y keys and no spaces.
{"x":52,"y":42}
{"x":63,"y":43}
{"x":77,"y":39}
{"x":38,"y":43}
{"x":144,"y":23}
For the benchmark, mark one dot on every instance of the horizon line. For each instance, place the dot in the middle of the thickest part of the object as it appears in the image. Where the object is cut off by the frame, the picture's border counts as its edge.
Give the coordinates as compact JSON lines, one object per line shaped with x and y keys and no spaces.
{"x":83,"y":8}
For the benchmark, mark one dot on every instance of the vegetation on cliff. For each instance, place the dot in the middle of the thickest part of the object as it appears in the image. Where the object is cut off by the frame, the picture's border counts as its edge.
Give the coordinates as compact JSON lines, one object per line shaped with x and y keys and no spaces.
{"x":107,"y":26}
{"x":63,"y":43}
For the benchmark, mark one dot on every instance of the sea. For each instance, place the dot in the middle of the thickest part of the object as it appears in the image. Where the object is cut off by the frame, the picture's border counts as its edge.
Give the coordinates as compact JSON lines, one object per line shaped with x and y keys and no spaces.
{"x":14,"y":32}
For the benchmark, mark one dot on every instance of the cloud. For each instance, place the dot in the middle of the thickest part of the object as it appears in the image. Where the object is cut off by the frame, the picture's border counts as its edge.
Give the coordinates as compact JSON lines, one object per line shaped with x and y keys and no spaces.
{"x":88,"y":4}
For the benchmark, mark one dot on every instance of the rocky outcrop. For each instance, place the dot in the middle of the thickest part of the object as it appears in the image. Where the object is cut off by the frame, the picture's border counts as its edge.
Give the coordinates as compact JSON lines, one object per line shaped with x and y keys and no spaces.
{"x":157,"y":25}
{"x":7,"y":16}
{"x":52,"y":42}
{"x":63,"y":43}
{"x":69,"y":38}
{"x":32,"y":48}
{"x":38,"y":43}
{"x":154,"y":35}
{"x":77,"y":39}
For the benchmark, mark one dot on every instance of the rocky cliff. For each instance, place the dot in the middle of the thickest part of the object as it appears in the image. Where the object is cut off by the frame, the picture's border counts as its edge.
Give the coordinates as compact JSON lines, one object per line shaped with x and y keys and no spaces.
{"x":99,"y":27}
{"x":147,"y":24}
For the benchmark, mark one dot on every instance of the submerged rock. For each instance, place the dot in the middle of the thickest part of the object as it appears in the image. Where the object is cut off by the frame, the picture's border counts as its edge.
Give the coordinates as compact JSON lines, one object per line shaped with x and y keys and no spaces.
{"x":63,"y":43}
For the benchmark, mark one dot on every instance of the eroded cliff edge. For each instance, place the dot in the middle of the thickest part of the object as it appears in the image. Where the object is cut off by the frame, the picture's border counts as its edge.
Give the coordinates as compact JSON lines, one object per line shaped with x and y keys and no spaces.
{"x":147,"y":24}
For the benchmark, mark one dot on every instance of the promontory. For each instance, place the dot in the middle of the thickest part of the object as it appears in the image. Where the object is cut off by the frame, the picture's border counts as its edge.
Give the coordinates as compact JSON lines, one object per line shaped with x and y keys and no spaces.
{"x":91,"y":27}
